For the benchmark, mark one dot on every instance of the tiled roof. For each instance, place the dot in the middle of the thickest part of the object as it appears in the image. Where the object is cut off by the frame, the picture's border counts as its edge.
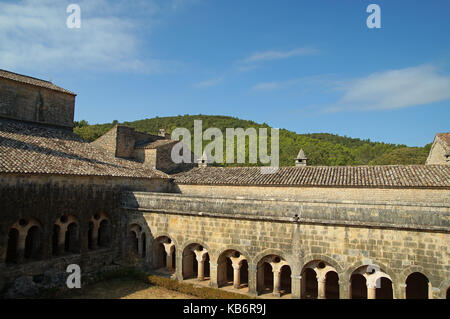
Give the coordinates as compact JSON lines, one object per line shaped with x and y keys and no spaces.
{"x":32,"y":81}
{"x":395,"y":176}
{"x":34,"y":149}
{"x":445,"y":137}
{"x":154,"y":144}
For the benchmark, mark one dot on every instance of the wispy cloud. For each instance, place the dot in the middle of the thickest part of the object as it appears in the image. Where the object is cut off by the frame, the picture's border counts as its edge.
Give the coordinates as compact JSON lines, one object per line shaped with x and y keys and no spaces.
{"x":394,"y":89}
{"x":278,"y":55}
{"x":322,"y":82}
{"x":34,"y":35}
{"x":208,"y":83}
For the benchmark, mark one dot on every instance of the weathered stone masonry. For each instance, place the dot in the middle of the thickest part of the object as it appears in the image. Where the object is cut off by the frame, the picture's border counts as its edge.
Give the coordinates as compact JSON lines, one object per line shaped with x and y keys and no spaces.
{"x":400,"y":237}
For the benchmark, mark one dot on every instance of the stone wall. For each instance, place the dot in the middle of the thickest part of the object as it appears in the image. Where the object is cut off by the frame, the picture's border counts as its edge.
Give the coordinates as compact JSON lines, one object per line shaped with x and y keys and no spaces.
{"x":437,"y":152}
{"x":329,"y":193}
{"x":26,"y":102}
{"x":400,"y":238}
{"x":45,"y":199}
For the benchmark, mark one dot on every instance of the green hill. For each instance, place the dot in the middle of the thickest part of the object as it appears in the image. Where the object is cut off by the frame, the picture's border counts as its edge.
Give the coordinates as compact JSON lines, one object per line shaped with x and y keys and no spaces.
{"x":321,"y":148}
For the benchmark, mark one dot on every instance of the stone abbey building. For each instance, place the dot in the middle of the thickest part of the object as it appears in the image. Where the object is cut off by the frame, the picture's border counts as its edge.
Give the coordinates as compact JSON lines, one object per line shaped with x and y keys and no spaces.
{"x":303,"y":232}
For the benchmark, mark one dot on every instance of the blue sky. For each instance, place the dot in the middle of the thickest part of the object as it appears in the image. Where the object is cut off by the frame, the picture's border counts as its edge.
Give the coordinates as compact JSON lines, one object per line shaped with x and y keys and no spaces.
{"x":307,"y":66}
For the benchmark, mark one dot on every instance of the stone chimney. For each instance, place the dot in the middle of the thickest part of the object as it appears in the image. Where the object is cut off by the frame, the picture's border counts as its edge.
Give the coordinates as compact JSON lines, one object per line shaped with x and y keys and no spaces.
{"x":301,"y":159}
{"x":204,"y":161}
{"x":163,"y":133}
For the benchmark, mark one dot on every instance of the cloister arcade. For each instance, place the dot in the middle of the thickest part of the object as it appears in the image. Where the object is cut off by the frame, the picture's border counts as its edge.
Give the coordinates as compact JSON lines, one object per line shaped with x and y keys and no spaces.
{"x":26,"y":237}
{"x":273,"y":275}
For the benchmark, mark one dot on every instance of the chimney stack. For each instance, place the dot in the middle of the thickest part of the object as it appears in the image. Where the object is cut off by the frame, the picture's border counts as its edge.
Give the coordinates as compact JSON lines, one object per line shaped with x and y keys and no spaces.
{"x":301,"y":159}
{"x":163,"y":133}
{"x":204,"y":161}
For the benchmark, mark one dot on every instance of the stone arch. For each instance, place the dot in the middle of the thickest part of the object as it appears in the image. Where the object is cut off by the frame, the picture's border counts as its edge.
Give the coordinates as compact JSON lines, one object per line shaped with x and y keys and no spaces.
{"x":232,"y":268}
{"x":134,"y":236}
{"x":66,"y":235}
{"x":25,"y":240}
{"x":417,"y":286}
{"x":351,"y":268}
{"x":370,"y":281}
{"x":269,"y":271}
{"x":143,"y":238}
{"x":164,"y":254}
{"x":325,"y":283}
{"x":271,"y":251}
{"x":195,"y":261}
{"x":417,"y":268}
{"x":99,"y":231}
{"x":201,"y":243}
{"x":329,"y":260}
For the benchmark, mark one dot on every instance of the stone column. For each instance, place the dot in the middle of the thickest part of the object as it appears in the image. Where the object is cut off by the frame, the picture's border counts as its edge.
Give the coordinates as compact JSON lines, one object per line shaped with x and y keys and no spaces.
{"x":21,"y":247}
{"x":321,"y":287}
{"x":236,"y":276}
{"x":344,"y":288}
{"x":371,"y":291}
{"x":252,"y":280}
{"x":139,"y":238}
{"x":296,"y":282}
{"x":61,"y":241}
{"x":95,"y":236}
{"x":276,"y":282}
{"x":200,"y":268}
{"x":169,"y":255}
{"x":213,"y":275}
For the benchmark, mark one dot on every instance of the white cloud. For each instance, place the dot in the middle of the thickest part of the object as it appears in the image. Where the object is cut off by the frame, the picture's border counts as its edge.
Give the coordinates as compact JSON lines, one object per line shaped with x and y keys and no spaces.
{"x":269,"y":86}
{"x":208,"y":83}
{"x":277,"y":55}
{"x":394,"y":89}
{"x":34,"y":35}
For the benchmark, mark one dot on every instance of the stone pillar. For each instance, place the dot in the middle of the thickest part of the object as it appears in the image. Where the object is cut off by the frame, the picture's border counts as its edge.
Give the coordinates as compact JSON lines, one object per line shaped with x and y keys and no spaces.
{"x":61,"y":241}
{"x":139,"y":238}
{"x":169,"y":255}
{"x":200,"y":268}
{"x":276,"y":282}
{"x":296,"y":286}
{"x":213,"y":275}
{"x":21,"y":247}
{"x":371,"y":291}
{"x":252,"y":280}
{"x":95,"y":235}
{"x":178,"y":265}
{"x":344,"y":288}
{"x":236,"y":276}
{"x":321,"y":287}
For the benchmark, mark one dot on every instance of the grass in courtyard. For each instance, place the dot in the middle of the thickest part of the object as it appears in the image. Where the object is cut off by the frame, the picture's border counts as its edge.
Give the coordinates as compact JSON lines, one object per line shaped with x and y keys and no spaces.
{"x":131,"y":284}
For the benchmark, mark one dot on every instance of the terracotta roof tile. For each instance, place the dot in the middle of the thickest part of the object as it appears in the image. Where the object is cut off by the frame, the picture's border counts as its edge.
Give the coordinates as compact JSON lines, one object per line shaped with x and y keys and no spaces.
{"x":33,"y":81}
{"x":35,"y":149}
{"x":389,"y":176}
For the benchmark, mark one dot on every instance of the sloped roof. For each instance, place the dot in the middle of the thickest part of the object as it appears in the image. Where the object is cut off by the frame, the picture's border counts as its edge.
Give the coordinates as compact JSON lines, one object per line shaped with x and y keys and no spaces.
{"x":32,"y":81}
{"x":395,"y":176}
{"x":35,"y":149}
{"x":154,"y":144}
{"x":444,"y":137}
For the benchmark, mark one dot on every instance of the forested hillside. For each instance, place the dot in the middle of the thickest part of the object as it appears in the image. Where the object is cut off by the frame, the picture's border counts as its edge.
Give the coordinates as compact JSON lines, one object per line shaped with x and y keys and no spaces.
{"x":320,"y":148}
